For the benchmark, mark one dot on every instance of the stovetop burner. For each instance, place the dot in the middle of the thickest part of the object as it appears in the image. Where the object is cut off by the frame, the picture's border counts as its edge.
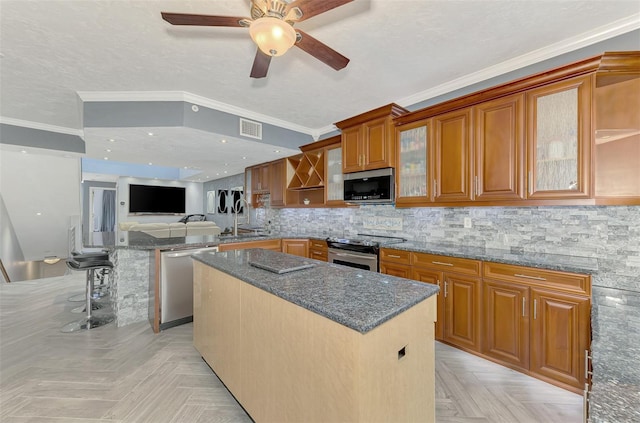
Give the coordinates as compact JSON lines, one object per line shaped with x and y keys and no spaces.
{"x":366,"y":240}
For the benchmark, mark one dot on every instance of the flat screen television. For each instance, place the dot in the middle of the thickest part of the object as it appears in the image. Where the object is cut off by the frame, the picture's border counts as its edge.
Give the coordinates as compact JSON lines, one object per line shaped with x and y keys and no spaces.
{"x":156,"y":199}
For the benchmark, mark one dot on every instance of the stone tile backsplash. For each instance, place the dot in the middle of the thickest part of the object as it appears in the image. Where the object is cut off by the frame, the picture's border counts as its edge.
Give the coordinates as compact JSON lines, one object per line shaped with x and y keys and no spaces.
{"x":611,"y":234}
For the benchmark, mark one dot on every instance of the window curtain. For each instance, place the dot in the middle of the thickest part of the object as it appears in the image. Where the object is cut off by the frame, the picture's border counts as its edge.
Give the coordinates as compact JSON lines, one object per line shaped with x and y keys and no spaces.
{"x":108,"y":211}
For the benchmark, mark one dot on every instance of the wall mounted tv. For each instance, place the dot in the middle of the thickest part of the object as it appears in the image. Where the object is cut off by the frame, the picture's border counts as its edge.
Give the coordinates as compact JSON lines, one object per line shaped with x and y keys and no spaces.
{"x":156,"y":199}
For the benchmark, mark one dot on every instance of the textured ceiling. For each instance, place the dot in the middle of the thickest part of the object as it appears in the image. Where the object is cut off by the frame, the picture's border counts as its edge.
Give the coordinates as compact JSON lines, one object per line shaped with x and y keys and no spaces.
{"x":51,"y":50}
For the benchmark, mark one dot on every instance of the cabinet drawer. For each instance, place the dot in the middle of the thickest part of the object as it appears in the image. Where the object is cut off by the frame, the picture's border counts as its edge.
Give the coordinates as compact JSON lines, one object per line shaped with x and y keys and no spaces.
{"x":566,"y":281}
{"x":447,"y":264}
{"x":318,"y":245}
{"x":318,"y":254}
{"x":395,"y":256}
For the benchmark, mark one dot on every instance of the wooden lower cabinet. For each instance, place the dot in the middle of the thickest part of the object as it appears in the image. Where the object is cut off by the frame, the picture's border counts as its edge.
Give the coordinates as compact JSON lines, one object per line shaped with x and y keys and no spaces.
{"x":506,"y":323}
{"x":559,"y":336}
{"x":462,"y":311}
{"x":529,"y":319}
{"x":318,"y":250}
{"x":297,"y":247}
{"x":395,"y":269}
{"x":434,"y":277}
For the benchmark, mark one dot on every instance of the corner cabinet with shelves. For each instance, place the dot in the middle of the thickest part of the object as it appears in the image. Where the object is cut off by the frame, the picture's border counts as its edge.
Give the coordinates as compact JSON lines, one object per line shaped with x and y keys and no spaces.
{"x":368,"y":139}
{"x":559,"y":139}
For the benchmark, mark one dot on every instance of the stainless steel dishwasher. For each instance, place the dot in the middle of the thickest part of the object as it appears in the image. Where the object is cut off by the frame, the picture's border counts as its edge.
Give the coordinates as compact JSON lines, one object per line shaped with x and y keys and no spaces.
{"x":176,"y":286}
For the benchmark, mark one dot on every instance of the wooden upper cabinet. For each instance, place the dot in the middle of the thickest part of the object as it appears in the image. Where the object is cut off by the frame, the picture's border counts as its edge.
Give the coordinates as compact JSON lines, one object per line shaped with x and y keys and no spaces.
{"x":277,"y":182}
{"x":617,"y":143}
{"x":368,"y":139}
{"x":559,"y":139}
{"x":413,"y":170}
{"x":452,"y":154}
{"x":260,"y":178}
{"x":499,"y":149}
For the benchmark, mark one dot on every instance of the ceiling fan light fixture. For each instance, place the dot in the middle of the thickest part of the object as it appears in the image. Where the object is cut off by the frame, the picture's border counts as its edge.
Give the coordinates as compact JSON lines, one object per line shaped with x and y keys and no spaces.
{"x":272,"y":35}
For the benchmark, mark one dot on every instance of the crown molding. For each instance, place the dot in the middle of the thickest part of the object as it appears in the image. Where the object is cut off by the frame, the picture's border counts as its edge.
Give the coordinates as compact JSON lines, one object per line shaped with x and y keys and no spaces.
{"x":568,"y":45}
{"x":98,"y":96}
{"x":41,"y":126}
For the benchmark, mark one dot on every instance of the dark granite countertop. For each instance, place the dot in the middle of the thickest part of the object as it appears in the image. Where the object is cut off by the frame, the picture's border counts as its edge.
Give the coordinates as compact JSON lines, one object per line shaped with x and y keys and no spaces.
{"x":586,"y":265}
{"x":358,"y":299}
{"x":143,"y":241}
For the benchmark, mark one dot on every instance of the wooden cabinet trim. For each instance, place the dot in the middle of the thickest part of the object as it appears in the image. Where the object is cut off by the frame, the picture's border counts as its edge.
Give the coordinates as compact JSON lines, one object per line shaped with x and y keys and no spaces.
{"x":582,"y":67}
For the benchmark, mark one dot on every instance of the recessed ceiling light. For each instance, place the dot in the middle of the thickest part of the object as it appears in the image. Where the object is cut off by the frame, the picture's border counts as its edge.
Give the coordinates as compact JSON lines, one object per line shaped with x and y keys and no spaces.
{"x":186,"y":167}
{"x":112,"y":140}
{"x":244,"y":157}
{"x":150,"y":163}
{"x":23,"y":151}
{"x":217,"y":174}
{"x":108,"y":150}
{"x":225,"y":171}
{"x":106,"y":158}
{"x":194,"y":108}
{"x":223,"y":141}
{"x":150,"y":134}
{"x":226,"y":164}
{"x":276,"y":151}
{"x":38,"y":214}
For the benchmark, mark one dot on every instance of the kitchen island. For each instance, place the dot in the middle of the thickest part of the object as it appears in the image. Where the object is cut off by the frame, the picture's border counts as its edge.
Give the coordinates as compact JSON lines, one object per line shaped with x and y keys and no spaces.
{"x":321,"y":343}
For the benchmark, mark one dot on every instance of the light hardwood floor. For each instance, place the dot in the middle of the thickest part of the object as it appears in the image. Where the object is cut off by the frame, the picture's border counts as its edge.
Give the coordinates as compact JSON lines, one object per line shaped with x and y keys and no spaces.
{"x":129,"y":374}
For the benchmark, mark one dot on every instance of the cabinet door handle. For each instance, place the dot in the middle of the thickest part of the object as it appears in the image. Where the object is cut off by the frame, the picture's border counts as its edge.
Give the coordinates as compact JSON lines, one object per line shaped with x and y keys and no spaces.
{"x":392,"y":256}
{"x":585,"y":401}
{"x":435,"y":187}
{"x":535,"y":309}
{"x":587,"y":373}
{"x":523,"y":301}
{"x":530,"y":182}
{"x":438,"y":283}
{"x":442,"y":263}
{"x":538,"y":278}
{"x":446,"y":285}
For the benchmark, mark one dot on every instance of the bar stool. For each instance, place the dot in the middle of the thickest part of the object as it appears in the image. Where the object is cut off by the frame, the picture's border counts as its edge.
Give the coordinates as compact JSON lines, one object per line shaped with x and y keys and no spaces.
{"x":89,"y":264}
{"x":102,"y":287}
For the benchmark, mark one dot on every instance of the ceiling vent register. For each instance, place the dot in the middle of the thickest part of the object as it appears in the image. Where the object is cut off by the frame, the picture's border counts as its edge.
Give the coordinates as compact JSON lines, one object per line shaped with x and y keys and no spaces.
{"x":250,"y":129}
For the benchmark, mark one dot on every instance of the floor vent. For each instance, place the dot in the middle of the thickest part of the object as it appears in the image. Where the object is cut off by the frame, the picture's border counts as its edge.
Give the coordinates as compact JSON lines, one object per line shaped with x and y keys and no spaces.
{"x":250,"y":129}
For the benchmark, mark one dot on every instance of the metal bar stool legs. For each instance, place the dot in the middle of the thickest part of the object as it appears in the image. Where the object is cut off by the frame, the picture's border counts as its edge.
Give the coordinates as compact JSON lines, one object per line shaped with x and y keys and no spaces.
{"x":90,"y":321}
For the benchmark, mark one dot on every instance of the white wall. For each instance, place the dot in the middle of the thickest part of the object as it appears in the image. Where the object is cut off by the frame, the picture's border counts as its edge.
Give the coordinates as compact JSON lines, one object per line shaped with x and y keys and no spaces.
{"x":194,"y":200}
{"x":45,"y":182}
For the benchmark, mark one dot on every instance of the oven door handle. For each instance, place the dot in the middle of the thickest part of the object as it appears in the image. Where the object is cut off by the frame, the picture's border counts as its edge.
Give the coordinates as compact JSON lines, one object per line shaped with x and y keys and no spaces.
{"x":365,"y":257}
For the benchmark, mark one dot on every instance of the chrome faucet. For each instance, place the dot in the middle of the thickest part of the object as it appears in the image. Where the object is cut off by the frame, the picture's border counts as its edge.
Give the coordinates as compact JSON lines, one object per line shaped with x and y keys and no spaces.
{"x":235,"y":217}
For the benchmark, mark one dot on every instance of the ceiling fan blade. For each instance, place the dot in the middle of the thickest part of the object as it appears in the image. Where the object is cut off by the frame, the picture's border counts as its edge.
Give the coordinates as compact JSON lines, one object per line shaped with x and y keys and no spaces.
{"x":321,"y":51}
{"x":311,"y":8}
{"x":202,"y":20}
{"x":260,"y":65}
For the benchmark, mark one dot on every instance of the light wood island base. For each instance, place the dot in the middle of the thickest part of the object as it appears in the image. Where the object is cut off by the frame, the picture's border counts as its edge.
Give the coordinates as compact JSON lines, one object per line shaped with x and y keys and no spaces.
{"x":284,"y":363}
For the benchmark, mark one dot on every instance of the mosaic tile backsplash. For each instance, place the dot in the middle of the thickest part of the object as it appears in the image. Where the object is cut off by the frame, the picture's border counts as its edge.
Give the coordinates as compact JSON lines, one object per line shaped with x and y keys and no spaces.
{"x":610,"y":234}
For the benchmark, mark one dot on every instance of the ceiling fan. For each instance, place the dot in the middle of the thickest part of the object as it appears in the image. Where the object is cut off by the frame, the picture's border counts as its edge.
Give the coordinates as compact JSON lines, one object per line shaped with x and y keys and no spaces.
{"x":271,"y":28}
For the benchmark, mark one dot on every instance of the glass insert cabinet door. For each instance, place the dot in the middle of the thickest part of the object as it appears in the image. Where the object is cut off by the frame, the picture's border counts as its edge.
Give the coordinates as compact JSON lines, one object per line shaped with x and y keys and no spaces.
{"x":335,"y":183}
{"x":559,"y":123}
{"x":412,"y":142}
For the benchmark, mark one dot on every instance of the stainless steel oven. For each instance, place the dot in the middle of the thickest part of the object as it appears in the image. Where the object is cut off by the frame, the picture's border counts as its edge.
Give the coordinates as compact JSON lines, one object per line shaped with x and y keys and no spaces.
{"x":366,"y":261}
{"x":360,"y":251}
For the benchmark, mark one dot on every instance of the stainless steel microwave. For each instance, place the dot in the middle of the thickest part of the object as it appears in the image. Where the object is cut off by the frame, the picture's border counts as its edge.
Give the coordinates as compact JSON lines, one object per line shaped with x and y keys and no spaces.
{"x":370,"y":187}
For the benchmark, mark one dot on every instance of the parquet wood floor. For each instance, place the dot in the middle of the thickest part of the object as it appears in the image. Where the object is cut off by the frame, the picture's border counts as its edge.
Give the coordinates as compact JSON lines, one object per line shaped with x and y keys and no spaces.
{"x":129,"y":374}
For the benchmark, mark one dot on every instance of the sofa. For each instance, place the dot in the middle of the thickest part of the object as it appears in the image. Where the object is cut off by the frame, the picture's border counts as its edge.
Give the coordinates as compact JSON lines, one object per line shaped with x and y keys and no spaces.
{"x":174,"y":229}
